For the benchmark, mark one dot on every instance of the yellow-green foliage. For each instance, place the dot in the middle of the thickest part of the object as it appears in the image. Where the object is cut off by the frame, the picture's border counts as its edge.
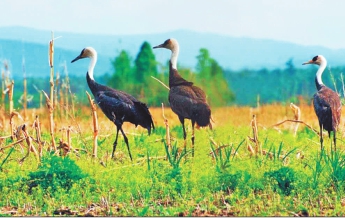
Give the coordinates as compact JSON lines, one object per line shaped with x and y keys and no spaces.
{"x":223,"y":178}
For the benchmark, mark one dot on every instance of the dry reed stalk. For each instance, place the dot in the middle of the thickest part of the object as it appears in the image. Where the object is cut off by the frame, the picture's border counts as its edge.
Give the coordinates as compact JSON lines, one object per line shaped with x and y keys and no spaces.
{"x":95,"y":124}
{"x":50,"y":101}
{"x":68,"y":136}
{"x":166,"y":122}
{"x":160,"y":82}
{"x":250,"y":148}
{"x":296,"y":121}
{"x":51,"y":64}
{"x":67,"y":146}
{"x":255,"y":139}
{"x":37,"y":127}
{"x":5,"y":137}
{"x":69,"y":141}
{"x":72,"y":100}
{"x":29,"y":142}
{"x":41,"y":96}
{"x":51,"y":119}
{"x":65,"y":94}
{"x":12,"y":144}
{"x":10,"y":95}
{"x":57,"y":82}
{"x":297,"y":115}
{"x":25,"y":100}
{"x":64,"y":146}
{"x":20,"y":135}
{"x":63,"y":109}
{"x":67,"y":91}
{"x":14,"y":113}
{"x":7,"y":88}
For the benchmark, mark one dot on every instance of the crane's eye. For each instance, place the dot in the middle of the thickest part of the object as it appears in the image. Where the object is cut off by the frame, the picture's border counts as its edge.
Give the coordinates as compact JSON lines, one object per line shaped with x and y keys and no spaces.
{"x":315,"y":58}
{"x":166,"y":42}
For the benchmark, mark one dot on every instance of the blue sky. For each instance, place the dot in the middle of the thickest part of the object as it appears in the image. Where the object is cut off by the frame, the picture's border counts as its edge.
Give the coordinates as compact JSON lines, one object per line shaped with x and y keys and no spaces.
{"x":306,"y":22}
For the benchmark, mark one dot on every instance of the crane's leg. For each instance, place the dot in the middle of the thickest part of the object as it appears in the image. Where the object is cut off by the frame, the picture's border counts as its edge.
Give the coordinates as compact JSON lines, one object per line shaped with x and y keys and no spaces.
{"x":334,"y":139}
{"x":184,"y":132}
{"x":193,"y":123}
{"x":126,"y":140}
{"x":321,"y":136}
{"x":115,"y":143}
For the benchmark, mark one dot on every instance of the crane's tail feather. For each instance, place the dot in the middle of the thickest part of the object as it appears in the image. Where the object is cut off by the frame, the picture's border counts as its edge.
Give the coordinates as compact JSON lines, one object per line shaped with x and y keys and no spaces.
{"x":146,"y":120}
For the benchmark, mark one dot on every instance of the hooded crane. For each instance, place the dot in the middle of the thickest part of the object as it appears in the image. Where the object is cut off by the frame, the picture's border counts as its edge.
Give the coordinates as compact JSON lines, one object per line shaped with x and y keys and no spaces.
{"x":186,"y":100}
{"x":326,"y":102}
{"x":118,"y":106}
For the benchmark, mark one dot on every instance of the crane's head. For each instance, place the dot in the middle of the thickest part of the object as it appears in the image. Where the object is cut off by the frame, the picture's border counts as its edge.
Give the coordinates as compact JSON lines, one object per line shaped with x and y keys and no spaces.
{"x":87,"y":52}
{"x":170,"y":44}
{"x":318,"y":60}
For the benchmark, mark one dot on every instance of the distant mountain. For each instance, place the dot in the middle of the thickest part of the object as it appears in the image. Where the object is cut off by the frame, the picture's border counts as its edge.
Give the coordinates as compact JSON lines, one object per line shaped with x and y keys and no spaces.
{"x":36,"y":60}
{"x":231,"y":52}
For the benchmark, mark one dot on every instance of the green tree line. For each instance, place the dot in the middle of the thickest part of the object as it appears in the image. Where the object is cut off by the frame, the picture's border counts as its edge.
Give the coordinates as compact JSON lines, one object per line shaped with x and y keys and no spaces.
{"x":135,"y":77}
{"x":222,"y":87}
{"x":290,"y":84}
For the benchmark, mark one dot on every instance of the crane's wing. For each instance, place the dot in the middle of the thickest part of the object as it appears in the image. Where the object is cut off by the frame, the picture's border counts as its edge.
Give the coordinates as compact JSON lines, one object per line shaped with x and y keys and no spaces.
{"x":186,"y":103}
{"x":327,"y":106}
{"x":114,"y":105}
{"x":199,"y":93}
{"x":114,"y":98}
{"x":125,"y":107}
{"x":192,"y":92}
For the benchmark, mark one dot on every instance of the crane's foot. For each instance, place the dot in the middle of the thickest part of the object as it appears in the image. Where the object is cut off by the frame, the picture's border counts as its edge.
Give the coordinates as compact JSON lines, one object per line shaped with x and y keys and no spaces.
{"x":130,"y":155}
{"x":114,"y":148}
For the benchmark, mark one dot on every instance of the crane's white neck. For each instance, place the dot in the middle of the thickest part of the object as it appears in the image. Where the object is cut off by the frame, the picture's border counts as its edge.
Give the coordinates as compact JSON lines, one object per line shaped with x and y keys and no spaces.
{"x":93,"y":60}
{"x":320,"y":71}
{"x":174,"y":55}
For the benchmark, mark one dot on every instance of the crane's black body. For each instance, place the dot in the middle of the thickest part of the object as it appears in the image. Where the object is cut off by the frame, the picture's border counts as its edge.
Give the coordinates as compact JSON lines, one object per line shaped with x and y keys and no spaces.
{"x":118,"y":106}
{"x":186,"y":100}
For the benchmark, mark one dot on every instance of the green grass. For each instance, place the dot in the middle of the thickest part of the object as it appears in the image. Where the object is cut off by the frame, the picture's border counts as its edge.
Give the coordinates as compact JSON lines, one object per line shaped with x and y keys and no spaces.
{"x":164,"y":181}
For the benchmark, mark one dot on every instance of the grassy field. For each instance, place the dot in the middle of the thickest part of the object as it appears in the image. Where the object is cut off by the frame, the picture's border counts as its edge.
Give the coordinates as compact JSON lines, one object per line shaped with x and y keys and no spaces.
{"x":291,"y":178}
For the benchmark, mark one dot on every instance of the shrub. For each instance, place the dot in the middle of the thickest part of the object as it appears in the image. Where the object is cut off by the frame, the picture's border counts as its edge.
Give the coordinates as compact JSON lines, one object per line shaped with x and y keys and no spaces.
{"x":228,"y":182}
{"x":54,"y":173}
{"x":282,"y":179}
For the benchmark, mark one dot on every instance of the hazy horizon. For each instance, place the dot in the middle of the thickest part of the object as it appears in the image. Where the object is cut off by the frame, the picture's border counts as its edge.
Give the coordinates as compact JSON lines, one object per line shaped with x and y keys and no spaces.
{"x":302,"y":22}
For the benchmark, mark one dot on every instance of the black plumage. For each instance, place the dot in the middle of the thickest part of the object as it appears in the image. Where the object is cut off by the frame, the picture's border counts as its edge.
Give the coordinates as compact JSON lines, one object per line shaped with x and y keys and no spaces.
{"x":117,"y":105}
{"x":186,"y":100}
{"x":326,"y":102}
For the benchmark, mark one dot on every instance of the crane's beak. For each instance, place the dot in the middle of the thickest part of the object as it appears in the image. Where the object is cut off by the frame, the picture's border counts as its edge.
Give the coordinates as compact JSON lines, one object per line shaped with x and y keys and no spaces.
{"x":159,"y":46}
{"x":308,"y":62}
{"x":77,"y":58}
